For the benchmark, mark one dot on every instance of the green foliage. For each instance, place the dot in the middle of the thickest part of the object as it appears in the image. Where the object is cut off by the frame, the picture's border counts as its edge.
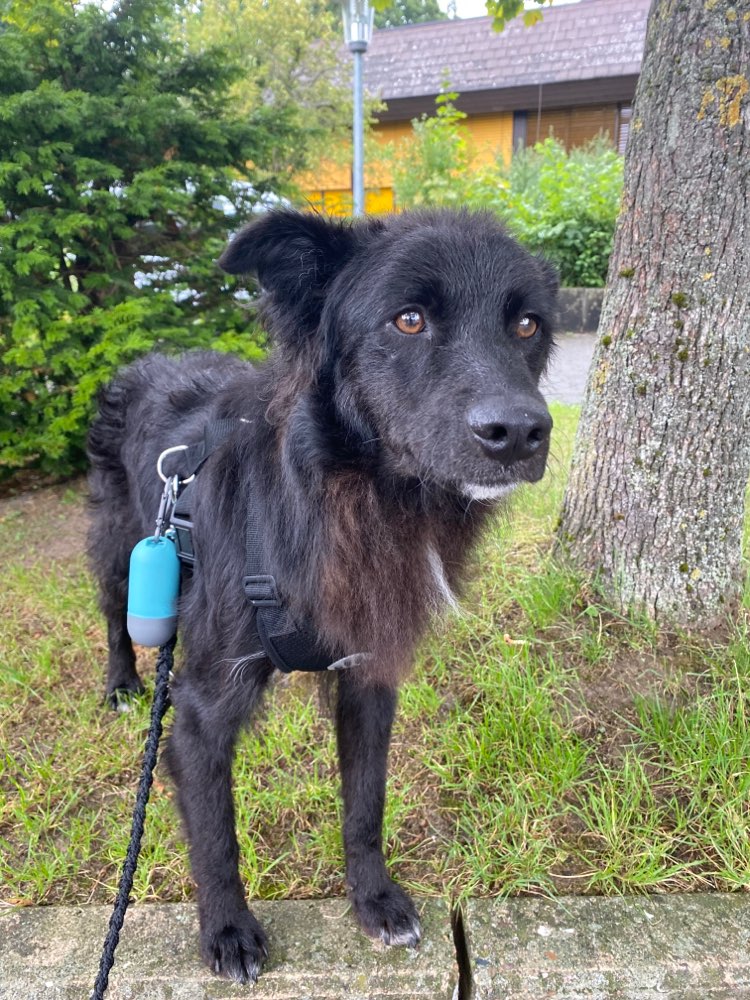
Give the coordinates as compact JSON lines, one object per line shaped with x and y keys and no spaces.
{"x":505,"y":10}
{"x":561,"y":204}
{"x":408,"y":12}
{"x":432,"y":167}
{"x":123,"y":164}
{"x":291,"y":59}
{"x":501,"y":10}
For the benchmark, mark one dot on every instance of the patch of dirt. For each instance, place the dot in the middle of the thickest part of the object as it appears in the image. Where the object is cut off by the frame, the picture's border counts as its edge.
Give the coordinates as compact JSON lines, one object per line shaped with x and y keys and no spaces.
{"x":59,"y":517}
{"x":25,"y":481}
{"x":605,"y":707}
{"x":615,"y":668}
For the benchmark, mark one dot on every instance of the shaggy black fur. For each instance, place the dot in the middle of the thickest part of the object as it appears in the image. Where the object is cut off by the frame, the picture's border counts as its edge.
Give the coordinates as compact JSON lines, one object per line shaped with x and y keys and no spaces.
{"x":372,"y":450}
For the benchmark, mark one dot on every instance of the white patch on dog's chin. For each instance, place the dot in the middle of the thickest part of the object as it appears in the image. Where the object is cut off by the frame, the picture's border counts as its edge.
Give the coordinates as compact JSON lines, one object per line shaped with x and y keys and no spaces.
{"x":475,"y":491}
{"x":445,"y":594}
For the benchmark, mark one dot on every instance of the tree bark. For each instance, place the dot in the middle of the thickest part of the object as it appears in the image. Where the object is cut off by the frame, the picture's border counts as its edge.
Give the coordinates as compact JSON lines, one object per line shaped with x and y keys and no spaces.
{"x":655,"y":500}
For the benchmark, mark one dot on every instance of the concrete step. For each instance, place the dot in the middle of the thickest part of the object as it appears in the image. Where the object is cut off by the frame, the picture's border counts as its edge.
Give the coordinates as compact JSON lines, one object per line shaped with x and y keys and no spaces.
{"x":316,"y":952}
{"x":671,"y":947}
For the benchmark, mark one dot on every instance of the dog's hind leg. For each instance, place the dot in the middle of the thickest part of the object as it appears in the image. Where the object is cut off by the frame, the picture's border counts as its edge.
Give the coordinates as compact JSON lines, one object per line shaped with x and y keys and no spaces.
{"x":110,"y":559}
{"x":364,"y":717}
{"x":199,"y":758}
{"x":113,"y":532}
{"x":122,"y":677}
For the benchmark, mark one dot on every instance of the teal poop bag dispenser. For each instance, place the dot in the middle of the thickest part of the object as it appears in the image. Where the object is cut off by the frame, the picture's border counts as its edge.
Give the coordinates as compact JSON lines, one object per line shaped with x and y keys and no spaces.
{"x":153,"y":586}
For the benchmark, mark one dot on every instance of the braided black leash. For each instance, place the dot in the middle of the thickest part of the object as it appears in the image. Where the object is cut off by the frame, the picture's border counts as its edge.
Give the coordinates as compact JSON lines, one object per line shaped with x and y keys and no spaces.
{"x":158,"y":709}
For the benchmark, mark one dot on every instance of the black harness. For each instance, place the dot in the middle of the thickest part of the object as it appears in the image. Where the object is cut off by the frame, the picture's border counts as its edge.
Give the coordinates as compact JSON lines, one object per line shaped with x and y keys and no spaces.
{"x":288,"y":643}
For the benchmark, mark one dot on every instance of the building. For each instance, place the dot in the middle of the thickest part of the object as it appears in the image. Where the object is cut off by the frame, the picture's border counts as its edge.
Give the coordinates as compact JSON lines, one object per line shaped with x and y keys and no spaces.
{"x":571,"y":75}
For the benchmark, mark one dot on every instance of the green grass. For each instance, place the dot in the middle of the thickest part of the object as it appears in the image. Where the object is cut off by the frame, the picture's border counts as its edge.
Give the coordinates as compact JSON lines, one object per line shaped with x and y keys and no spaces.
{"x":544,"y":744}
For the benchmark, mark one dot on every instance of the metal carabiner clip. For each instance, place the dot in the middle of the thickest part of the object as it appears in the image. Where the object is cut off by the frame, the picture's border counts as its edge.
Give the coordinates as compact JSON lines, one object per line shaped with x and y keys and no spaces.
{"x":160,"y":459}
{"x":166,"y":504}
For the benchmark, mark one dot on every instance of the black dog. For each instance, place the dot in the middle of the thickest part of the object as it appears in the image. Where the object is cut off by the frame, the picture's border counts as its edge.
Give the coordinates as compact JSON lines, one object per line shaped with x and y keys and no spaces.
{"x":401,"y":394}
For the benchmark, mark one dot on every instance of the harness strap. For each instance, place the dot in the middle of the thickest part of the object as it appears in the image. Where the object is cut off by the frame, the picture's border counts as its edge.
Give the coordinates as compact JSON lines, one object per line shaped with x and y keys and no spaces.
{"x":289,"y":644}
{"x":215,"y":433}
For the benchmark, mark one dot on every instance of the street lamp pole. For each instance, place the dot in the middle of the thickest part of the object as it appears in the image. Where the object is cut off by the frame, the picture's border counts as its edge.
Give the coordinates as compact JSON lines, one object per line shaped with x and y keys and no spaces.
{"x":358,"y":17}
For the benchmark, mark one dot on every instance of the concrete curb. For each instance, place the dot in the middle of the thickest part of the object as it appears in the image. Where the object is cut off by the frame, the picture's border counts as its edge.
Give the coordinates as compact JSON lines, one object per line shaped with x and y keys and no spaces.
{"x":316,"y":952}
{"x":668,"y":947}
{"x":692,"y":947}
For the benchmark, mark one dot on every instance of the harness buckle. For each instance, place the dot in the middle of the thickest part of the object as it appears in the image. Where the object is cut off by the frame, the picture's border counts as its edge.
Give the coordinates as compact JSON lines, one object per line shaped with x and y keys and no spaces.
{"x":183,"y":537}
{"x":261,"y":591}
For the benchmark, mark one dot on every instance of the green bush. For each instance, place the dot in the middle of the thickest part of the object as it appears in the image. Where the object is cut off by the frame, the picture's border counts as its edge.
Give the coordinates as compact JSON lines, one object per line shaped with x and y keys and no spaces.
{"x":561,"y":204}
{"x":432,"y":167}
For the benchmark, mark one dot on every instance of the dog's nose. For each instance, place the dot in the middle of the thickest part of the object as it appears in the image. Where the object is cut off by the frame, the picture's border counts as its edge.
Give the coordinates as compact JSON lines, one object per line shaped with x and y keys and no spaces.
{"x":510,"y":431}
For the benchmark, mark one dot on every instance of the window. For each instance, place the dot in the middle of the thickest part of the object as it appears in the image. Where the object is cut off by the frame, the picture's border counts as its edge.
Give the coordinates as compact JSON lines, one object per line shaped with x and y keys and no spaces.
{"x":520,"y":123}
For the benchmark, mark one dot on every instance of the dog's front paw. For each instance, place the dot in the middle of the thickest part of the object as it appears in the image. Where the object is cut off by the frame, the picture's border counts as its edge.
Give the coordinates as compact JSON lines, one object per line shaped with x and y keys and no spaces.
{"x":388,"y":914}
{"x":237,"y":951}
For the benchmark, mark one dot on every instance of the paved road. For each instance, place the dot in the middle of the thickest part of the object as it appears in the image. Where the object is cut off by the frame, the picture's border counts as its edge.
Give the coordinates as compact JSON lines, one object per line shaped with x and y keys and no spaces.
{"x":566,"y":381}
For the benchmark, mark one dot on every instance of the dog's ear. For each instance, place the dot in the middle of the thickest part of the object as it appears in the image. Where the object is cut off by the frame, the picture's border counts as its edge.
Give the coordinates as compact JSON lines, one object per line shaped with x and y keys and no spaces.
{"x":294,"y":256}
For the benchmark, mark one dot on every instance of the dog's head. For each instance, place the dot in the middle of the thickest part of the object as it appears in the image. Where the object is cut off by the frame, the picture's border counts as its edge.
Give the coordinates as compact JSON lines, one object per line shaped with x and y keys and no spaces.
{"x":432,"y":331}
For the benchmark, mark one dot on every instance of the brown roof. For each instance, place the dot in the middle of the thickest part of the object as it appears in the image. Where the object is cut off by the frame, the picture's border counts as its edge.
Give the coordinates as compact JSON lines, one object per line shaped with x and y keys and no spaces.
{"x":593,"y":40}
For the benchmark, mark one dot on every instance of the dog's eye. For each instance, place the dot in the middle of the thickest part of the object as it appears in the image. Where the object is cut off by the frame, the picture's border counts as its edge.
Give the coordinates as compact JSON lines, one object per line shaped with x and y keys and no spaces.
{"x":410,"y":321}
{"x":526,"y":327}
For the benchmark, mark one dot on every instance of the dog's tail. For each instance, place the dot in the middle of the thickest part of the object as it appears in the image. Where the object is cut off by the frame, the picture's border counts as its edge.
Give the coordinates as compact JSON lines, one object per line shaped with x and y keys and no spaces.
{"x":107,"y":476}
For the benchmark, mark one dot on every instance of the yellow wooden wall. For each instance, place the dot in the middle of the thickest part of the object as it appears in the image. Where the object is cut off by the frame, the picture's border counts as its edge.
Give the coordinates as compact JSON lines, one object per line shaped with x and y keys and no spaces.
{"x":328,"y":189}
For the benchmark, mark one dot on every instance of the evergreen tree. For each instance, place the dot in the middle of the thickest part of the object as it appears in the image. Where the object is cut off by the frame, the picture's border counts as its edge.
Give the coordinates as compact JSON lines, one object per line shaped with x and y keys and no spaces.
{"x":123,"y":164}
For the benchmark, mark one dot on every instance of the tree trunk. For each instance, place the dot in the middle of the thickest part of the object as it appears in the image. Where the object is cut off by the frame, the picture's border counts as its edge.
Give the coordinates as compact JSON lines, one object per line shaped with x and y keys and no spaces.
{"x":655,"y":501}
